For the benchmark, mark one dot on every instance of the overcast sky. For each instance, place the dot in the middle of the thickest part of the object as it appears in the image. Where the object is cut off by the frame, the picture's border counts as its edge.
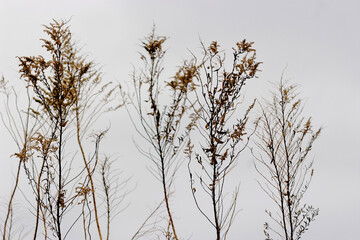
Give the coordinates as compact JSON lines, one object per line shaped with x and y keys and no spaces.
{"x":316,"y":42}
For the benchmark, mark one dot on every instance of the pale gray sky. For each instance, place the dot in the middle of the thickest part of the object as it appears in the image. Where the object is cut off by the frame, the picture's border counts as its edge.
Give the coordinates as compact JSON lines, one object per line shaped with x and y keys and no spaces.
{"x":317,"y":41}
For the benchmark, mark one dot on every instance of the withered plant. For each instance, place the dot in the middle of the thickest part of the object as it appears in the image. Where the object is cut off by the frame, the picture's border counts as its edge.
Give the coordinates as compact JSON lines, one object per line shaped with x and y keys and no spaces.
{"x":219,"y":131}
{"x":21,"y":127}
{"x":284,"y":140}
{"x":114,"y":191}
{"x":70,"y":97}
{"x":160,"y":115}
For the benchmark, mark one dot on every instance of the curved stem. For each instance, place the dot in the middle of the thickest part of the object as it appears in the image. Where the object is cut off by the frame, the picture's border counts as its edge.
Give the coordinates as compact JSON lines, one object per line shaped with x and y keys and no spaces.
{"x":89,"y":174}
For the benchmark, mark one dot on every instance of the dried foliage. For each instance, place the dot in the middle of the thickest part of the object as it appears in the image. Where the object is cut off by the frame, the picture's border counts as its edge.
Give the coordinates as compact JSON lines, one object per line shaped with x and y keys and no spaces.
{"x":21,"y":127}
{"x":198,"y":113}
{"x":215,"y":108}
{"x":69,"y":97}
{"x":160,"y":120}
{"x":284,"y":140}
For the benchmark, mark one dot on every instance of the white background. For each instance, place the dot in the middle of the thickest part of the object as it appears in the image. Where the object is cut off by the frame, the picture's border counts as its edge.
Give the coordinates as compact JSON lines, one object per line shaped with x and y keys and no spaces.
{"x":318,"y":42}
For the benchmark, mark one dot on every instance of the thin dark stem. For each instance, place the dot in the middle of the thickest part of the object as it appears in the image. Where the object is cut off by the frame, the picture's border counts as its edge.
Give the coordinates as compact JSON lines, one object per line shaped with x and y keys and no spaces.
{"x":60,"y":196}
{"x":213,"y":196}
{"x":288,"y":166}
